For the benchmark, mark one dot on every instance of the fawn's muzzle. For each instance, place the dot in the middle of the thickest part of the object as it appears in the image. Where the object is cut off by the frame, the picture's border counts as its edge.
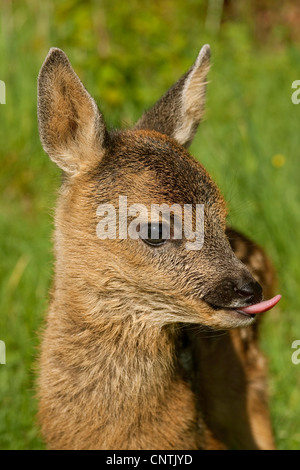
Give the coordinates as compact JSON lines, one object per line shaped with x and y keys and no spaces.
{"x":234,"y":293}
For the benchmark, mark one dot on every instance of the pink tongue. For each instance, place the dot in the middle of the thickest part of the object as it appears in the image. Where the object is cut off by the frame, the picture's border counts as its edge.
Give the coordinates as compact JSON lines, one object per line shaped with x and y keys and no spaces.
{"x":262,"y":306}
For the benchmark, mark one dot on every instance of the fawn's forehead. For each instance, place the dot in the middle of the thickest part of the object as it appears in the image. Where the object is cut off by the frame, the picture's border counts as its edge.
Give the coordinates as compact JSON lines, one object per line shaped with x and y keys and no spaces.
{"x":150,"y":164}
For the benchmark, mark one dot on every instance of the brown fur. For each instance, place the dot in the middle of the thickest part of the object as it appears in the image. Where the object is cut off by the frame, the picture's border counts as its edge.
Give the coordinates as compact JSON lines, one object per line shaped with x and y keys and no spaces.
{"x":142,"y":348}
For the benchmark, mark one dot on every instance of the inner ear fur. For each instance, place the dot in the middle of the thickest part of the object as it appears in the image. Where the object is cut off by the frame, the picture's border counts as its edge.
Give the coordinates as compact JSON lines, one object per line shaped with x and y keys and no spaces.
{"x":71,"y":127}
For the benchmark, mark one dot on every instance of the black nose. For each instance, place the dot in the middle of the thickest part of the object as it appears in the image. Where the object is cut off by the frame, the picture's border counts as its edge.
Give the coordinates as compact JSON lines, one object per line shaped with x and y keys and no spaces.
{"x":250,"y":292}
{"x":233,"y":293}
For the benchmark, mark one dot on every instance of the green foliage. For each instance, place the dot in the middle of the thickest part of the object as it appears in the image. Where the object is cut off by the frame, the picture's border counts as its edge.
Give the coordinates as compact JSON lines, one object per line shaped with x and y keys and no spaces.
{"x":128,"y":54}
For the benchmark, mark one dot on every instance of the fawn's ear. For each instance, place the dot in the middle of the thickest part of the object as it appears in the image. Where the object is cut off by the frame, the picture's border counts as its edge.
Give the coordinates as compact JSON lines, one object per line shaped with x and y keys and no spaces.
{"x":71,"y":128}
{"x":180,"y":110}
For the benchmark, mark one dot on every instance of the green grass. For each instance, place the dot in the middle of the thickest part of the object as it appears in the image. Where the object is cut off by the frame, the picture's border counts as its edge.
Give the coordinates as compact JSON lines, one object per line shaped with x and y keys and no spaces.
{"x":127,"y":57}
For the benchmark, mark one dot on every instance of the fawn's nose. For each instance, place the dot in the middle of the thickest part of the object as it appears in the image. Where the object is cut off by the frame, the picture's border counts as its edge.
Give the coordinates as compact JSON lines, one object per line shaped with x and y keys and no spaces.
{"x":250,"y":292}
{"x":234,"y":293}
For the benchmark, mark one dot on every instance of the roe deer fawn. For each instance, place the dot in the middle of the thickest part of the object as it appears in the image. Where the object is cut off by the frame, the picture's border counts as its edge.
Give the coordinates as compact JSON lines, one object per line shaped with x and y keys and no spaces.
{"x":129,"y":359}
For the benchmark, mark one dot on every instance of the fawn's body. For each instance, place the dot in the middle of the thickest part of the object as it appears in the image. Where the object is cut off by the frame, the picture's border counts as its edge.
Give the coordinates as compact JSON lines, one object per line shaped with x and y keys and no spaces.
{"x":124,"y":364}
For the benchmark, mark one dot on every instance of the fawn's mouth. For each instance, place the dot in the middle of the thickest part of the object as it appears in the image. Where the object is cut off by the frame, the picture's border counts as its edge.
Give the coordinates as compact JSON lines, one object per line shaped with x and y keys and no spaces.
{"x":254,"y":309}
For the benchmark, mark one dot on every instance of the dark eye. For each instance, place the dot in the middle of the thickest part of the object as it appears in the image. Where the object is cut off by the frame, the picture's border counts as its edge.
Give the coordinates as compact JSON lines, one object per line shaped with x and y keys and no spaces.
{"x":155,"y":233}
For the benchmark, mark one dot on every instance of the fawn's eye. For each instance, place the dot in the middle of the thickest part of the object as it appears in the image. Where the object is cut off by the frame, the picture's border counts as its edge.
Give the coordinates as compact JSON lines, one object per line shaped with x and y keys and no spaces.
{"x":155,"y":233}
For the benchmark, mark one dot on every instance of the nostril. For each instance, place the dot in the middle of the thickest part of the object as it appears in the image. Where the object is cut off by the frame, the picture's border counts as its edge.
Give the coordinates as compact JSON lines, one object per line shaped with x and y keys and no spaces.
{"x":251,"y":291}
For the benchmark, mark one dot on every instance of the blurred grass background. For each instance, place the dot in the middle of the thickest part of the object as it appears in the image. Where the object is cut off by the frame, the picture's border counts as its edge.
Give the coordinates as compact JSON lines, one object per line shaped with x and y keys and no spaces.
{"x":127,"y":54}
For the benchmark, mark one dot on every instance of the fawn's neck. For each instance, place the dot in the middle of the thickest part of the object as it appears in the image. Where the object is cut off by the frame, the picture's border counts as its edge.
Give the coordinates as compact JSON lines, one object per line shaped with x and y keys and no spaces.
{"x":118,"y":345}
{"x":117,"y":374}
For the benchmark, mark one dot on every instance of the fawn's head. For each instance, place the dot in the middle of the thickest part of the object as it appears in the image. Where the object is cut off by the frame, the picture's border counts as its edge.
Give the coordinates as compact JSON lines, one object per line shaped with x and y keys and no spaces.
{"x":111,"y":181}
